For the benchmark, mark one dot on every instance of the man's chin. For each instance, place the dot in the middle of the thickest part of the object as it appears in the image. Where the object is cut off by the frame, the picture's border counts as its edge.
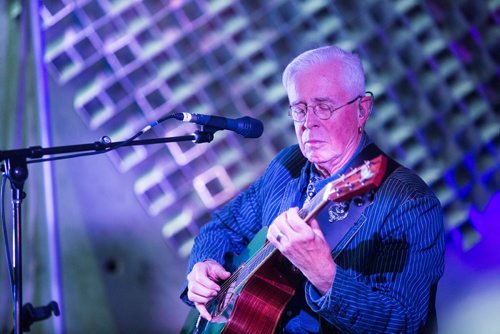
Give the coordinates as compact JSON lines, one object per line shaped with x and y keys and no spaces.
{"x":319,"y":159}
{"x":314,"y":158}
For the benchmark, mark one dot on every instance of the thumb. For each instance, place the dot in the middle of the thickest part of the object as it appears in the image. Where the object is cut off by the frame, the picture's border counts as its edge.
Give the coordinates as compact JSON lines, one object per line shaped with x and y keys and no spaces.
{"x":203,"y":311}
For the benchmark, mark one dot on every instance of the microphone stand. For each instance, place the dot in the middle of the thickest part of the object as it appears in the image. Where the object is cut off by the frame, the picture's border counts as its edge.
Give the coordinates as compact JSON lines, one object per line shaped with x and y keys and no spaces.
{"x":15,"y":166}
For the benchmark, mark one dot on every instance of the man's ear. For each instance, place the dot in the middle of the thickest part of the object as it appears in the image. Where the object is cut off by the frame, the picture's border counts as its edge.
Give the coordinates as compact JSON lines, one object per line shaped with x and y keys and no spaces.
{"x":361,"y":111}
{"x":365,"y":106}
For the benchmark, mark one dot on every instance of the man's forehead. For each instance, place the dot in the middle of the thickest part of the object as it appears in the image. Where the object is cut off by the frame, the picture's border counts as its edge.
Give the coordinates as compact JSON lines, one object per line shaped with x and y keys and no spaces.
{"x":318,"y":85}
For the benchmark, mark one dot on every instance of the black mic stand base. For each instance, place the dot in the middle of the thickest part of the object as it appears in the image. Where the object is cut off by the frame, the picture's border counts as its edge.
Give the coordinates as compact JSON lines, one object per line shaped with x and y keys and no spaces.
{"x":32,"y":314}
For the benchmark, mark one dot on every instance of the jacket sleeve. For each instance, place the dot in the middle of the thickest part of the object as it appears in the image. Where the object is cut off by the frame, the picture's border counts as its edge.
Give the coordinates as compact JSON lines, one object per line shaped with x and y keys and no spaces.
{"x":395,"y":294}
{"x":230,"y":228}
{"x":229,"y":231}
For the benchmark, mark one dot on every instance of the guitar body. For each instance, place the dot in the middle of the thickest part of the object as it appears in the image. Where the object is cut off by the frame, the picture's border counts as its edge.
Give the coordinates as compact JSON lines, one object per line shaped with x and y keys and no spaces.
{"x":258,"y":305}
{"x":262,"y":300}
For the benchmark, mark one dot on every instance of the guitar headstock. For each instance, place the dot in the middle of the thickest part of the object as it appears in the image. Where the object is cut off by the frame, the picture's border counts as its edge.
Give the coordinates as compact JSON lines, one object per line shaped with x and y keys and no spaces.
{"x":359,"y":180}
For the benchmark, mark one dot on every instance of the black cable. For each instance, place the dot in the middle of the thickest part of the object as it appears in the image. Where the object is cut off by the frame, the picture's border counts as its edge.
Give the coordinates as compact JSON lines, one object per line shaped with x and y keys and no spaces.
{"x":5,"y":236}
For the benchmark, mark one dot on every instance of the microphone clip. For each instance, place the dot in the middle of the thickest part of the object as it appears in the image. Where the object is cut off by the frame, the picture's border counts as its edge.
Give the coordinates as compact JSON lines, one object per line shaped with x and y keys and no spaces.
{"x":205,"y":134}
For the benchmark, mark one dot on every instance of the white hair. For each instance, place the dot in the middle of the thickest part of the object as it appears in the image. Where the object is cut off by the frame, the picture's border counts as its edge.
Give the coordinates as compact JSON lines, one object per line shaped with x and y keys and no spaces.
{"x":353,"y":68}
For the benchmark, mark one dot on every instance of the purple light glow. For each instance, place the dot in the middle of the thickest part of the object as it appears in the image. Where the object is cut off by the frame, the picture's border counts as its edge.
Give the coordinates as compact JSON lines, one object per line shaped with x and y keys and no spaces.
{"x":486,"y":253}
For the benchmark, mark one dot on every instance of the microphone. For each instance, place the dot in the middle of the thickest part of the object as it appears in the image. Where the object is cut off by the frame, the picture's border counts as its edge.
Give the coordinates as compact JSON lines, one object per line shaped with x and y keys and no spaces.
{"x":245,"y":126}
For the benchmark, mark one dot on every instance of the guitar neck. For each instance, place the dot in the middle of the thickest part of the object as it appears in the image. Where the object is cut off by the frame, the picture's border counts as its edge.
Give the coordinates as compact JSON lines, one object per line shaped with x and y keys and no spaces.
{"x":311,"y":208}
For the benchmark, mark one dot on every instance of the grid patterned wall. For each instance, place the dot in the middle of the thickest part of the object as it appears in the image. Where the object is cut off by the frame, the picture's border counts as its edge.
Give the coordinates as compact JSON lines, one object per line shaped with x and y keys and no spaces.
{"x":433,"y":66}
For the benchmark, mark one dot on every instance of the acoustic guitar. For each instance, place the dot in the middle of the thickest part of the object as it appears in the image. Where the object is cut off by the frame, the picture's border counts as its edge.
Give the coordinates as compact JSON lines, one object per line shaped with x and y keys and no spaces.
{"x":253,"y":298}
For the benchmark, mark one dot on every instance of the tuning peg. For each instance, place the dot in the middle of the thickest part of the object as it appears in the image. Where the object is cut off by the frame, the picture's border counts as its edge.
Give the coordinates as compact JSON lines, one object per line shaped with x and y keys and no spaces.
{"x":358,"y":201}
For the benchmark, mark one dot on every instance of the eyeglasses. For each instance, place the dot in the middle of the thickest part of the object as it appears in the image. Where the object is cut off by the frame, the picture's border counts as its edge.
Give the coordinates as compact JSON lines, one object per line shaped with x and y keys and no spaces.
{"x":323,"y":110}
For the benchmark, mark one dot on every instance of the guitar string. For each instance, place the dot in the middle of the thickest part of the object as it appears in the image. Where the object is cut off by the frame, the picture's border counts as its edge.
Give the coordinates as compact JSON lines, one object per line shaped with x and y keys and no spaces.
{"x":268,"y":249}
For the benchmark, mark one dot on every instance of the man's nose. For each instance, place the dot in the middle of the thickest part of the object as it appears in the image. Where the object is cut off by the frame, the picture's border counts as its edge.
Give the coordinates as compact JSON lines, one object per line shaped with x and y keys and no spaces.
{"x":311,"y":117}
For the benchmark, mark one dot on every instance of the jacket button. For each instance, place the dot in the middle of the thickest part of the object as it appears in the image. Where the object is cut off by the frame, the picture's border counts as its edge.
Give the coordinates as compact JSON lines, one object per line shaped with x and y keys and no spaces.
{"x":354,"y":317}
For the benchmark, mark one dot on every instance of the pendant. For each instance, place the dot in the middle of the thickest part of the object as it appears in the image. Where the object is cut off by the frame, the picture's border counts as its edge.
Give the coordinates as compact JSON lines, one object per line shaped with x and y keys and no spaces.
{"x":338,"y":211}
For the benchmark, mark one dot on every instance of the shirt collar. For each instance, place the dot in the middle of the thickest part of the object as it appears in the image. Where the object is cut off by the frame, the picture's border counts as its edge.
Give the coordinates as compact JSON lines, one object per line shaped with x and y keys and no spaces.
{"x":309,"y":171}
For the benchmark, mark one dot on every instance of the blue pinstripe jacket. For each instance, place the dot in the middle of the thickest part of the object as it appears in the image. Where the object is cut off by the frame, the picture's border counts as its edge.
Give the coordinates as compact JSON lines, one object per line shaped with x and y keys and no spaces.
{"x":386,"y":275}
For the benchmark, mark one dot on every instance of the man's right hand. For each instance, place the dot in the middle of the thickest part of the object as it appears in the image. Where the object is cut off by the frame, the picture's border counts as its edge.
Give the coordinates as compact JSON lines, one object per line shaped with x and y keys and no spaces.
{"x":203,"y":284}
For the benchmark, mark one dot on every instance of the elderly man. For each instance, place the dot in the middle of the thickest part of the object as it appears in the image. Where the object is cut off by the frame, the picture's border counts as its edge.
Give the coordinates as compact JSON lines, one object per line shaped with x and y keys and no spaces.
{"x":379,"y":271}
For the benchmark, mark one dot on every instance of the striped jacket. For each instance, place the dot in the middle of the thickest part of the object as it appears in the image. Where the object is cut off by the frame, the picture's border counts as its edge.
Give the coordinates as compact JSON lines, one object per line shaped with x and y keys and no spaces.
{"x":386,"y":276}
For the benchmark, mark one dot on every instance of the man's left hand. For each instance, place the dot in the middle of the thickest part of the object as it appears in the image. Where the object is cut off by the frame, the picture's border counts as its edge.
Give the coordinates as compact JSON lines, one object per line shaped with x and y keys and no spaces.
{"x":305,"y":246}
